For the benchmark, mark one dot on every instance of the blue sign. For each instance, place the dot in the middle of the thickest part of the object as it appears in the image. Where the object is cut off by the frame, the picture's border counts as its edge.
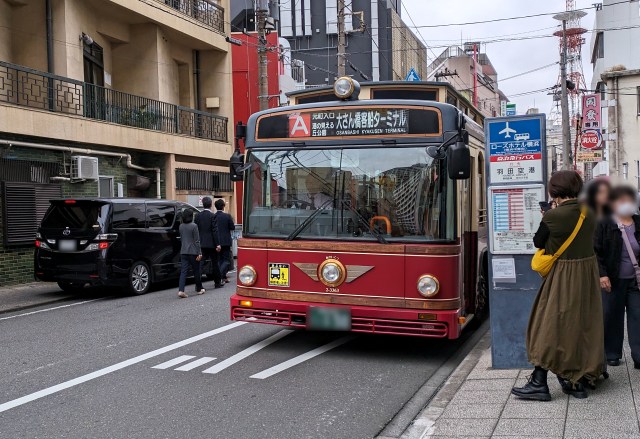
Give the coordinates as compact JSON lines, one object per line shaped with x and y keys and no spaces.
{"x":515,"y":149}
{"x":412,"y":76}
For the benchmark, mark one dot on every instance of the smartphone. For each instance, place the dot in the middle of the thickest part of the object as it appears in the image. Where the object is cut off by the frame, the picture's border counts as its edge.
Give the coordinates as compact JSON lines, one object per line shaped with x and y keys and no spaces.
{"x":545,"y":206}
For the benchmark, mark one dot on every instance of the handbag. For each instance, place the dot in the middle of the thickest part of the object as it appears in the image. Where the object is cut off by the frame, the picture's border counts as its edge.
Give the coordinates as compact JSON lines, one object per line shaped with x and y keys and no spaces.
{"x":632,"y":256}
{"x":542,"y":263}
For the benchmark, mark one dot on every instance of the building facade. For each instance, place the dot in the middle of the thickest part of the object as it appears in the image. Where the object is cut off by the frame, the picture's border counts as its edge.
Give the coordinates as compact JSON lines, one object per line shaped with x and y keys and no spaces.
{"x":457,"y":66}
{"x":623,"y":123}
{"x":615,"y":37}
{"x":109,"y":98}
{"x":614,"y":58}
{"x":379,"y":46}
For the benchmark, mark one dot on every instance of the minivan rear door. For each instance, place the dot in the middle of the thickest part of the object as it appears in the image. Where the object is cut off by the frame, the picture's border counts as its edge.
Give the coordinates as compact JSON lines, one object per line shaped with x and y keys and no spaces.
{"x":71,"y":225}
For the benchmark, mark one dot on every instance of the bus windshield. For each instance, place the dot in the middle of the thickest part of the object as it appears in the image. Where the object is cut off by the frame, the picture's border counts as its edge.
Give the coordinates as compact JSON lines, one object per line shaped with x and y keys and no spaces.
{"x":401,"y":194}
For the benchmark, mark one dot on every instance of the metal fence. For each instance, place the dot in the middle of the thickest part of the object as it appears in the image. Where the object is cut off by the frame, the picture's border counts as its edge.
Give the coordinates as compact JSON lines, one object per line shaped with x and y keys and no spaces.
{"x":196,"y":180}
{"x":205,"y":11}
{"x":31,"y":88}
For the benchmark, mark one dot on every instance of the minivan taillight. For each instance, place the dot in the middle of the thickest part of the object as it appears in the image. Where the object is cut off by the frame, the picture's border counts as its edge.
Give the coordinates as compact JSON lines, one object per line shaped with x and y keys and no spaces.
{"x":41,"y":244}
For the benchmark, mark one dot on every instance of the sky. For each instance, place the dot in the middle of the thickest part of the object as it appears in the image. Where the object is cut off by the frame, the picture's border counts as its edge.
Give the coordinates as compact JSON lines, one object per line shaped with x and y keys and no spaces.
{"x":508,"y":57}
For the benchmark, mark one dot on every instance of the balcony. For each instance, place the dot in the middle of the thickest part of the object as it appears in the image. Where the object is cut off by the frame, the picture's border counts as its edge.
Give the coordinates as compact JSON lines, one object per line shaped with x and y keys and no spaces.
{"x":205,"y":11}
{"x":26,"y":87}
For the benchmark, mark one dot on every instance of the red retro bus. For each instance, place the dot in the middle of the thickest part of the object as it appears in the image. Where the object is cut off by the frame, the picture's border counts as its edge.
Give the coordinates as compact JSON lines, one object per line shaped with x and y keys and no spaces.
{"x":362,"y":215}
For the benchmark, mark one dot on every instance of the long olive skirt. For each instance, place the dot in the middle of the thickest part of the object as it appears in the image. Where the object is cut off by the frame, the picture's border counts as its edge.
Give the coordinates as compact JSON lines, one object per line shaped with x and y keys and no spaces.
{"x":566,"y":332}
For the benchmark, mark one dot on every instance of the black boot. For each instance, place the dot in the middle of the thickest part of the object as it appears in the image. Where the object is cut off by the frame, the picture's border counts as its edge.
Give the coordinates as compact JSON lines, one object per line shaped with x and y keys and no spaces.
{"x":536,"y":389}
{"x":576,"y":390}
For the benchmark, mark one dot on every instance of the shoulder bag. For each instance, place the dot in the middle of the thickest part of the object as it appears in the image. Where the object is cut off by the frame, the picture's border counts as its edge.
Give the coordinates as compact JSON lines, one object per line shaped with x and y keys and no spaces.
{"x":542,"y":263}
{"x":632,"y":256}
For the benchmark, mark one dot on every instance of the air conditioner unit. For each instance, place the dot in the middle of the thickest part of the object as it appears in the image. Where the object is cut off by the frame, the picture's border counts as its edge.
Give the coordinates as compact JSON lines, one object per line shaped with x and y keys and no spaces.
{"x":84,"y":168}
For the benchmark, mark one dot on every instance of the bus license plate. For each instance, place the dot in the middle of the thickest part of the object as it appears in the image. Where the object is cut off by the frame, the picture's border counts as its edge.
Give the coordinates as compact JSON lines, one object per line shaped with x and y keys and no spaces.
{"x":328,"y":319}
{"x":66,"y":245}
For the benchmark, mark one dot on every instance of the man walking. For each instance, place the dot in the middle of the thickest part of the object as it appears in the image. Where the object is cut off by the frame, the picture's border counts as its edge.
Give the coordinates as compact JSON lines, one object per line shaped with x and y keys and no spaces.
{"x":206,"y":222}
{"x":225,"y":227}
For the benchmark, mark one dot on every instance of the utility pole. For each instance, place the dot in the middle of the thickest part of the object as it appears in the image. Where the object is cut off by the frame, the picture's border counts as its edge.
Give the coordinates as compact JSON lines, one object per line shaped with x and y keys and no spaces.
{"x":262,"y":12}
{"x":342,"y":40}
{"x":567,"y":162}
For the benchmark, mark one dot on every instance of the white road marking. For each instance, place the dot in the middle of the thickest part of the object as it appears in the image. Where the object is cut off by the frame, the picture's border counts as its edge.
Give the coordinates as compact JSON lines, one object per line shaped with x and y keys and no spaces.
{"x":51,"y":309}
{"x":247,"y":352}
{"x":199,"y":362}
{"x":97,"y":374}
{"x":302,"y":358}
{"x":175,"y":361}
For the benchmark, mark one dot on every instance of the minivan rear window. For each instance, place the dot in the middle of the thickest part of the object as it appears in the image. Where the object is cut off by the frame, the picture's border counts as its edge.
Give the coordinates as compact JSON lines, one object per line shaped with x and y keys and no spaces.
{"x":80,"y":216}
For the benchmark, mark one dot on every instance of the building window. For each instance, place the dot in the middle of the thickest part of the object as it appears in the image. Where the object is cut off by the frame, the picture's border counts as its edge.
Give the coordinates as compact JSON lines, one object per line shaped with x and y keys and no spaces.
{"x":197,"y":180}
{"x":598,"y":48}
{"x":93,"y":64}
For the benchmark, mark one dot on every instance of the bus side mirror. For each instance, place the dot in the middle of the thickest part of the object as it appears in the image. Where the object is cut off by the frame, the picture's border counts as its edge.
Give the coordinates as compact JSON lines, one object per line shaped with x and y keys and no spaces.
{"x":236,"y":166}
{"x":459,"y":161}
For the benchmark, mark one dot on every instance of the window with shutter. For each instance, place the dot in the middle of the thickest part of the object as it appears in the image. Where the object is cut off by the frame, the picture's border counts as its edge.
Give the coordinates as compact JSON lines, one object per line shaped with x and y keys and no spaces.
{"x":24,"y":206}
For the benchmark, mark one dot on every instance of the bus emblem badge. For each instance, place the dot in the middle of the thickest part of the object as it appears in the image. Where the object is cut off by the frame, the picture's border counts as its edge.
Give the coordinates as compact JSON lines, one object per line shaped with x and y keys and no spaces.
{"x":278,"y":275}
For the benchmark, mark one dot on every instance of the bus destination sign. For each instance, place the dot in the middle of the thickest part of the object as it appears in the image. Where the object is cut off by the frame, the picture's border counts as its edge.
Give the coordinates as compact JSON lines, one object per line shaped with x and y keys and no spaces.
{"x":325,"y":123}
{"x":360,"y":122}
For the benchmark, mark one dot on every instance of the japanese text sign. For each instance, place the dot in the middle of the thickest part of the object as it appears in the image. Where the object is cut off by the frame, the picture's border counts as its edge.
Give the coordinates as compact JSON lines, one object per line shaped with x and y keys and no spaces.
{"x":515,"y":149}
{"x":591,"y":112}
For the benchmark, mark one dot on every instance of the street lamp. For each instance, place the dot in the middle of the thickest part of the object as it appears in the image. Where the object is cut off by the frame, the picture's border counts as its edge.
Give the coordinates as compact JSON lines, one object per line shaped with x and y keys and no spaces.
{"x":564,"y":17}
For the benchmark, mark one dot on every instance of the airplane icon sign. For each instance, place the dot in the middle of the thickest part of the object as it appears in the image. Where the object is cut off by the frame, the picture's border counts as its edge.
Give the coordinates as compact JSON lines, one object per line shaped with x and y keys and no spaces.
{"x":507,"y":131}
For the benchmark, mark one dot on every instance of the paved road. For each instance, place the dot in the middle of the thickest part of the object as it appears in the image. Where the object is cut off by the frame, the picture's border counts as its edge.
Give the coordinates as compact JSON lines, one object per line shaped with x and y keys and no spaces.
{"x":158,"y":367}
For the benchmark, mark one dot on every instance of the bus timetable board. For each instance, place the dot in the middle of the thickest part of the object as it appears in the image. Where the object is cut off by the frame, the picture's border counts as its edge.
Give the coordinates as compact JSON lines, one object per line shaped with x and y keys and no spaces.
{"x":353,"y":121}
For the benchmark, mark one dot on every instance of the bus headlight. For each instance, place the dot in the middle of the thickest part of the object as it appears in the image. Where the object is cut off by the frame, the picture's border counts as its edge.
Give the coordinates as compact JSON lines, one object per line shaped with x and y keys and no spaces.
{"x":344,"y":87}
{"x":428,"y":286}
{"x":332,"y":273}
{"x":247,"y":276}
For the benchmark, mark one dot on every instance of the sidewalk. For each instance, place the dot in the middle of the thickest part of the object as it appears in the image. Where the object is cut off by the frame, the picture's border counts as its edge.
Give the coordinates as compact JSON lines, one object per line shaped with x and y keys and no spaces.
{"x":16,"y":298}
{"x":475,"y":402}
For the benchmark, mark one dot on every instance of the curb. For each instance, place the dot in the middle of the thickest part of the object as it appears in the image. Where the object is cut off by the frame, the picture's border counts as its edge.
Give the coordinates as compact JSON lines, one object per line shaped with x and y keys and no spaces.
{"x":412,"y":412}
{"x":421,"y":427}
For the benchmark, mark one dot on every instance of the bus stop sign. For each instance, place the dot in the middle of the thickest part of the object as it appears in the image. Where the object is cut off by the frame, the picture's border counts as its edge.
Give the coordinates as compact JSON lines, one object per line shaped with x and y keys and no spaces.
{"x":516,"y":170}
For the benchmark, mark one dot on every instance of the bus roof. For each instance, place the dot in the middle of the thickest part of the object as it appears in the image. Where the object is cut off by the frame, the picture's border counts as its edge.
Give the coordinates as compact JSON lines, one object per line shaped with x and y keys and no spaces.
{"x":447,"y":124}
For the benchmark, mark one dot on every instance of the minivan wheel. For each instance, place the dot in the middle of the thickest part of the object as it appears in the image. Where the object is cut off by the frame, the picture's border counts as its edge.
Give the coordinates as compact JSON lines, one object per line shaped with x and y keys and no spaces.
{"x":139,"y":278}
{"x":71,"y":288}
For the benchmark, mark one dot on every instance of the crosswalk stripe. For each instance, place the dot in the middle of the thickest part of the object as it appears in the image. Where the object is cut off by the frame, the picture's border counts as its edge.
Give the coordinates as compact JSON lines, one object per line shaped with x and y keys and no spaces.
{"x":196,"y":363}
{"x":178,"y":360}
{"x":247,"y":352}
{"x":302,"y":358}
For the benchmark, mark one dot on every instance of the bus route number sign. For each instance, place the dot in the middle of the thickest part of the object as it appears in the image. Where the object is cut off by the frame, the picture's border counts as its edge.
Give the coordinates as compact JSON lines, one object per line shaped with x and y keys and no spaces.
{"x":278,"y":275}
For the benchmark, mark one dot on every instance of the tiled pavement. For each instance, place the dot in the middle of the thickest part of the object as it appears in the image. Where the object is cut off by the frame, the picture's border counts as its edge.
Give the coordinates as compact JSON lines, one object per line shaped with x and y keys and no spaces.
{"x":476,"y":403}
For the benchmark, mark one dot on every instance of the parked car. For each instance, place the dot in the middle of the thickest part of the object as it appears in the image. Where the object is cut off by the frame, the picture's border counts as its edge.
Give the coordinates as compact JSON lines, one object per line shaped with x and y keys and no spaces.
{"x":120,"y":242}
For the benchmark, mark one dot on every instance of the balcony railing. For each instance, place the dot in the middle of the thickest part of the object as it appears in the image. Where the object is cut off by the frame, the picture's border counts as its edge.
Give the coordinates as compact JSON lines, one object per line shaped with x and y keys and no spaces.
{"x":205,"y":11}
{"x":31,"y":88}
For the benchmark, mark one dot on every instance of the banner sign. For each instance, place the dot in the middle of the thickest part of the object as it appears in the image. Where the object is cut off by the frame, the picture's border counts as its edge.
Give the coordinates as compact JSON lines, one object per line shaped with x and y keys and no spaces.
{"x":591,"y":112}
{"x":589,"y":156}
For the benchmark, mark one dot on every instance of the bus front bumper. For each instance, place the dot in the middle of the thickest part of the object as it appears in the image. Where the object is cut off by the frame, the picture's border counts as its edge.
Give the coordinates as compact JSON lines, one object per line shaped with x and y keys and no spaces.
{"x":369,"y":319}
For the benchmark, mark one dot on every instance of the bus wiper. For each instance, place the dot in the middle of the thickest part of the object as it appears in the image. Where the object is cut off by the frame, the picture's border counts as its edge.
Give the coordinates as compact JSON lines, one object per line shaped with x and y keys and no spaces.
{"x":293,"y":235}
{"x":371,"y":230}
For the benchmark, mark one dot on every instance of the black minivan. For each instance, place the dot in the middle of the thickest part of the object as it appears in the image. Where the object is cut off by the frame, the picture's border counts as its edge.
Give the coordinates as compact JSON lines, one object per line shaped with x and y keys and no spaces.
{"x":122,"y":242}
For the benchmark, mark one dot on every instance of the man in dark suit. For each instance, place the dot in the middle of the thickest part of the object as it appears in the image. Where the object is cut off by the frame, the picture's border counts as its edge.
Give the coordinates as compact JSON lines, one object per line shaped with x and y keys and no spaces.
{"x":206,"y":222}
{"x":225,"y":227}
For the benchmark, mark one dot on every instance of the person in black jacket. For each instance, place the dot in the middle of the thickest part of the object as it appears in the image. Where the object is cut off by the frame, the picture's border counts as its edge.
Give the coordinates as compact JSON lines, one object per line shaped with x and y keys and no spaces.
{"x":225,"y":227}
{"x":618,"y":278}
{"x":206,"y":222}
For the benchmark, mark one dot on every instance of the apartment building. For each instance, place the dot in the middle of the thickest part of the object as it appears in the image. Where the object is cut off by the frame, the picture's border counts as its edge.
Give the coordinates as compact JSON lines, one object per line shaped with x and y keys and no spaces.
{"x":467,"y":71}
{"x":109,"y":98}
{"x":379,"y":45}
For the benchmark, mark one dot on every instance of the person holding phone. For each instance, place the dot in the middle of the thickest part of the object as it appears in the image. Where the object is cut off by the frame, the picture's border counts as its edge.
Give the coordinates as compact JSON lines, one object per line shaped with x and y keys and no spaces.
{"x":190,"y":253}
{"x":618,"y":249}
